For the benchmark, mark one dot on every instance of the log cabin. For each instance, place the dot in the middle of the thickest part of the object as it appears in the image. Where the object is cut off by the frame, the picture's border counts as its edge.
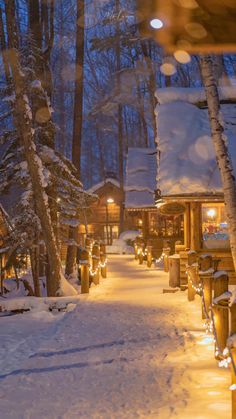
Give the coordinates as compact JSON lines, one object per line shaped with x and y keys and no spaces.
{"x":188,"y":176}
{"x":103,"y":216}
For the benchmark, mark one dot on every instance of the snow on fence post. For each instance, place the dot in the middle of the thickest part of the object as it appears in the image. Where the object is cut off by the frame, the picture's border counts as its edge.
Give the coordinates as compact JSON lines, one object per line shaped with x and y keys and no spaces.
{"x":149,"y":256}
{"x":84,"y":271}
{"x":95,"y":263}
{"x":220,"y":309}
{"x":192,"y":273}
{"x":103,"y":260}
{"x":232,"y":347}
{"x":205,"y":266}
{"x":166,"y":254}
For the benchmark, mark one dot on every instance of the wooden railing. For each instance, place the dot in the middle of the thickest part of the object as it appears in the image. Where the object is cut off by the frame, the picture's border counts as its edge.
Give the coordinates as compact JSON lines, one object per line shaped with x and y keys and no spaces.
{"x":203,"y":278}
{"x":217,"y":310}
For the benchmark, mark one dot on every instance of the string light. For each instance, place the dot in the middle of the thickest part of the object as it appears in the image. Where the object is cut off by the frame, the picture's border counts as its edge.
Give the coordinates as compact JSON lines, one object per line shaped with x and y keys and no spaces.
{"x":160,"y":259}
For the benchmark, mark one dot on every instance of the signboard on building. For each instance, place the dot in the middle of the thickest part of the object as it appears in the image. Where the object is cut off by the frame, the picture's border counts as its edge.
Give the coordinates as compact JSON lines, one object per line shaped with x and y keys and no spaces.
{"x":172,"y":208}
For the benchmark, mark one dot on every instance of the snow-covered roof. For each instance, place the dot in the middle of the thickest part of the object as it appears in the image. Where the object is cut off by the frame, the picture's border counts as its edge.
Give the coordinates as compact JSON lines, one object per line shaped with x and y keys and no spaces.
{"x":140,"y":184}
{"x":192,"y":94}
{"x":187,"y":162}
{"x":99,"y":185}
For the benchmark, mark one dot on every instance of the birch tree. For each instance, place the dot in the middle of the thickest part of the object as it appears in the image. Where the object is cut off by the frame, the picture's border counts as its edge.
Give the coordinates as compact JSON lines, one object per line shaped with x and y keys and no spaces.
{"x":220,"y":145}
{"x":23,"y":123}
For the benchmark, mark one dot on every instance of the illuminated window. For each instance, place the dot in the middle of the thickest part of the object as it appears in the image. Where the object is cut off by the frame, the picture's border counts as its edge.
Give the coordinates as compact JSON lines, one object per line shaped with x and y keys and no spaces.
{"x":214,"y":226}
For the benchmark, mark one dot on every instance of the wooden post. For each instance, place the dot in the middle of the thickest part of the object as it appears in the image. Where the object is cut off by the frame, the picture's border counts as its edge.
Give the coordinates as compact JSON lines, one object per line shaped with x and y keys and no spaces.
{"x":141,"y":253}
{"x":84,"y":271}
{"x":166,"y":252}
{"x":135,"y":251}
{"x":205,"y":272}
{"x":174,"y":271}
{"x":220,"y":309}
{"x":187,"y":226}
{"x":195,"y":225}
{"x":233,"y":353}
{"x":103,"y":260}
{"x":95,"y":263}
{"x":192,"y":273}
{"x":88,"y":246}
{"x":149,"y":256}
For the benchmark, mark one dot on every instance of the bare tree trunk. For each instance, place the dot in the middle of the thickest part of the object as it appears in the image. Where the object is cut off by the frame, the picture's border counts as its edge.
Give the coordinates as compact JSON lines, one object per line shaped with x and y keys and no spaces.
{"x":78,"y":101}
{"x":78,"y":122}
{"x":221,"y":149}
{"x":120,"y":117}
{"x":23,"y":122}
{"x":3,"y":46}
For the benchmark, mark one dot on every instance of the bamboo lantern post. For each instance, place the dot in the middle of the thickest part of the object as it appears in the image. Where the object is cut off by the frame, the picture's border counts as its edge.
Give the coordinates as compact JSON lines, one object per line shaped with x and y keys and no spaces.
{"x":205,"y":273}
{"x":84,"y":271}
{"x":136,"y":250}
{"x":192,"y":271}
{"x":103,"y":260}
{"x":220,"y":309}
{"x":88,"y":246}
{"x":149,"y":256}
{"x":166,"y":254}
{"x":232,"y":346}
{"x":95,"y":263}
{"x":141,"y":253}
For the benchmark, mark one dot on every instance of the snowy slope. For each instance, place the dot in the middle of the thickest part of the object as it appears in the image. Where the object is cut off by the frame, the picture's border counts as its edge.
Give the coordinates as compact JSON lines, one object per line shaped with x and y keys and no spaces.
{"x":126,"y":352}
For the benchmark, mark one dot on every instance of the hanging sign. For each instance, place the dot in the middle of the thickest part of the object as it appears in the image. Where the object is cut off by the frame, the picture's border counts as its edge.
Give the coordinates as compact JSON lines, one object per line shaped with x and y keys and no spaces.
{"x":172,"y":208}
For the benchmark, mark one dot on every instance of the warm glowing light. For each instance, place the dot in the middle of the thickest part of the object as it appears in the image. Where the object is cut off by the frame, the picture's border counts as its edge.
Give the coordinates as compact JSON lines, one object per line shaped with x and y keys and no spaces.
{"x":156,"y":24}
{"x":211,"y":213}
{"x":182,"y":56}
{"x":189,"y":4}
{"x":196,"y":30}
{"x":168,"y":69}
{"x":110,"y":200}
{"x":140,"y":222}
{"x":232,"y":387}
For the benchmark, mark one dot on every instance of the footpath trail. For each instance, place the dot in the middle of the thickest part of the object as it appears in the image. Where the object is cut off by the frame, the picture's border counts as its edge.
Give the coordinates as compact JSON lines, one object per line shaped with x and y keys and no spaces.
{"x":127,"y":351}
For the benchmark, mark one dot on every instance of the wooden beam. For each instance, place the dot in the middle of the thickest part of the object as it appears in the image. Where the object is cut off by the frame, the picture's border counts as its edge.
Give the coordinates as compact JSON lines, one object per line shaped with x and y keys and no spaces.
{"x":195,"y":220}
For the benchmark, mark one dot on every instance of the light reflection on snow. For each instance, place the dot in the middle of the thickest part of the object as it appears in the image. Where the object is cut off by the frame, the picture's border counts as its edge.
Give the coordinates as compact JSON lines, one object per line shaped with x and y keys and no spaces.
{"x":219,"y":406}
{"x":206,"y":340}
{"x":214,"y":393}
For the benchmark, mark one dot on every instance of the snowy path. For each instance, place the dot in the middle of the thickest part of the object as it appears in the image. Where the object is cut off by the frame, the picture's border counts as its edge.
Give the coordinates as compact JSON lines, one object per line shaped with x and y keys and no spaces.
{"x":127,"y":351}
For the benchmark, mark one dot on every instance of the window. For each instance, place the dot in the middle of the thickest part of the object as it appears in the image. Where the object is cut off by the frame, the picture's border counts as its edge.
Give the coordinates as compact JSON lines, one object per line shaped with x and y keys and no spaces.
{"x":214,"y":226}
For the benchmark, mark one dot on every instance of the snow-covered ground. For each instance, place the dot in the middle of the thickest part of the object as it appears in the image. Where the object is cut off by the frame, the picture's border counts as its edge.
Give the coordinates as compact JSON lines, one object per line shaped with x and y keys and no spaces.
{"x":127,"y":351}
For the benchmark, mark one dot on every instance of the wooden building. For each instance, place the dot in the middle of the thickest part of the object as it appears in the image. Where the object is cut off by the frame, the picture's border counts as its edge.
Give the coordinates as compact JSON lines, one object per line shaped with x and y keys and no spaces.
{"x":189,"y":179}
{"x":140,"y":212}
{"x":103,"y":216}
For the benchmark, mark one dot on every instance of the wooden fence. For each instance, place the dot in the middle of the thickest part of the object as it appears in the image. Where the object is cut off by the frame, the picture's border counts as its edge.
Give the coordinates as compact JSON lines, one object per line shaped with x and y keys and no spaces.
{"x":218,"y":305}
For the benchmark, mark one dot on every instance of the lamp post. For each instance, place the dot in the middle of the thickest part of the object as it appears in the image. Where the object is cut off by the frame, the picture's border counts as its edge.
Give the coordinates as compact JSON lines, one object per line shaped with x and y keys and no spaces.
{"x":109,"y":201}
